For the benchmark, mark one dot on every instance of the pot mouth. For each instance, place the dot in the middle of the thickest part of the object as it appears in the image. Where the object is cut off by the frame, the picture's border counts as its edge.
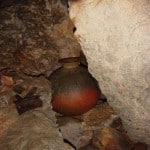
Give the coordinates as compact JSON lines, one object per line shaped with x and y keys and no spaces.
{"x":69,"y":60}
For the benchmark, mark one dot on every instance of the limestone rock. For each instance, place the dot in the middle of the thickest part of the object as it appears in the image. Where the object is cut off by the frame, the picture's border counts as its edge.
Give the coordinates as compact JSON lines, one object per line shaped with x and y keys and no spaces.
{"x":29,"y":39}
{"x":78,"y":130}
{"x":114,"y":36}
{"x":34,"y":129}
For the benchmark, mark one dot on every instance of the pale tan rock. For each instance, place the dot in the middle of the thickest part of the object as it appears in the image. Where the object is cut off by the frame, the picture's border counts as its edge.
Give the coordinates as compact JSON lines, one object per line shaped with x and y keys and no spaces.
{"x":114,"y":36}
{"x":35,"y":129}
{"x":78,"y":130}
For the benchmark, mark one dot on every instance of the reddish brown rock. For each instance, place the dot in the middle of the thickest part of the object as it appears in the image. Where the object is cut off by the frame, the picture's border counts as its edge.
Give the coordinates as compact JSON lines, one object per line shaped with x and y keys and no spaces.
{"x":78,"y":130}
{"x":140,"y":146}
{"x":6,"y":83}
{"x":110,"y":139}
{"x":99,"y":114}
{"x":33,"y":34}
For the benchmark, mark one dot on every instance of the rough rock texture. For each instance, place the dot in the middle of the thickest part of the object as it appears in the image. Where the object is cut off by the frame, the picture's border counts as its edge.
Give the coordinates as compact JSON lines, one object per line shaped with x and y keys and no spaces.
{"x":34,"y":34}
{"x":114,"y":36}
{"x":35,"y":129}
{"x":78,"y":130}
{"x":98,"y":129}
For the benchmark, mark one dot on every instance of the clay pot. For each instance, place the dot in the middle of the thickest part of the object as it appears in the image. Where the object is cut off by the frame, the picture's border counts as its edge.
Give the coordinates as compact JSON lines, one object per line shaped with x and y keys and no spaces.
{"x":74,"y":90}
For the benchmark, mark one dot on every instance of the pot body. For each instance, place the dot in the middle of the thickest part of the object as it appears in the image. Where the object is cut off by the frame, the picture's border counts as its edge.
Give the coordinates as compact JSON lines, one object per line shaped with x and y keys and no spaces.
{"x":74,"y":91}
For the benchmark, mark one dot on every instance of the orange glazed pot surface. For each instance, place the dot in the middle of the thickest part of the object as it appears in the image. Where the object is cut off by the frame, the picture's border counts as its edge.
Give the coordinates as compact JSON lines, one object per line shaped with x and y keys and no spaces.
{"x":75,"y":102}
{"x":74,"y":90}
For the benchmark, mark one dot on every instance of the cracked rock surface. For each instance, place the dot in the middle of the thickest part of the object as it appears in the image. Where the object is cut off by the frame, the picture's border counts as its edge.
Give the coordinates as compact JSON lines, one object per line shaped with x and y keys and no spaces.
{"x":34,"y":129}
{"x":114,"y":36}
{"x":34,"y":34}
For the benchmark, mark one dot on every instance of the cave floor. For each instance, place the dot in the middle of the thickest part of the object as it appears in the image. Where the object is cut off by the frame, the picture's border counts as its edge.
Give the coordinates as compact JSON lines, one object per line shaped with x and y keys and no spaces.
{"x":39,"y":127}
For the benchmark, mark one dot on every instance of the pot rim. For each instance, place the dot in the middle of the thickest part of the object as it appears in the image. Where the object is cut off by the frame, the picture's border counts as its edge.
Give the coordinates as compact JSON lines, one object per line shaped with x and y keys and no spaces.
{"x":69,"y":60}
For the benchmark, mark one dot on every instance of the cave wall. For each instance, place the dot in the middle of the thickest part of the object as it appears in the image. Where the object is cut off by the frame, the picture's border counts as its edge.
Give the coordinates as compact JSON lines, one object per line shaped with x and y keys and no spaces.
{"x":34,"y":35}
{"x":114,"y":36}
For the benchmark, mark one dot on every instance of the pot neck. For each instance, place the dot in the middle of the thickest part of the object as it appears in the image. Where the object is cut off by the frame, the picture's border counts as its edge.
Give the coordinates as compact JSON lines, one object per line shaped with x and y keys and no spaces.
{"x":71,"y":65}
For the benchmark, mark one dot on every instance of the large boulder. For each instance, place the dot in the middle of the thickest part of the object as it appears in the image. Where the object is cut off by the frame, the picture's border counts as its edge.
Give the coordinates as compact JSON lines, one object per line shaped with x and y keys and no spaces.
{"x":114,"y":35}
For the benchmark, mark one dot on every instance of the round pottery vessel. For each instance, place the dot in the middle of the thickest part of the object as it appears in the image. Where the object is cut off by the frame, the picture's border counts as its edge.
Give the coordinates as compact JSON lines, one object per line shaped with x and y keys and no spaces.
{"x":74,"y":90}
